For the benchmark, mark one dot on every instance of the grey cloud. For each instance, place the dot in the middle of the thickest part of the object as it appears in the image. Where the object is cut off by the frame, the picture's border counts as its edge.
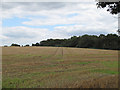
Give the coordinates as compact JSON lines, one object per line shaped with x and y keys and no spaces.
{"x":37,"y":6}
{"x":6,"y":6}
{"x":33,"y":6}
{"x":89,"y":33}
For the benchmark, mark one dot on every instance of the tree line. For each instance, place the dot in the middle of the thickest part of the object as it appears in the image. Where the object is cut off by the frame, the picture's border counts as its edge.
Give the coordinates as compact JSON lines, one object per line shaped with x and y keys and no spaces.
{"x":17,"y":45}
{"x":109,"y":41}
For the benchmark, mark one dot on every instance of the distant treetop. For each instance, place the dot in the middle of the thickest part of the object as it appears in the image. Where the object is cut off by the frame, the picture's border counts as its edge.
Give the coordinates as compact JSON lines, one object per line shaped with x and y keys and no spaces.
{"x":15,"y":45}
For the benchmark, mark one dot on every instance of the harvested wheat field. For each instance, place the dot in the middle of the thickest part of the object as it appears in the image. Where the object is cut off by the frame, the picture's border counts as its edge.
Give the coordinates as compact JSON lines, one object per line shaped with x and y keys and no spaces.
{"x":59,"y":67}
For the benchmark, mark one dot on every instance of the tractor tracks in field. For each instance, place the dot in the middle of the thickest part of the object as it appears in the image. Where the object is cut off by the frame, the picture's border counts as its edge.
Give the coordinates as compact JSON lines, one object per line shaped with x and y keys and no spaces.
{"x":54,"y":53}
{"x":69,"y":53}
{"x":62,"y":53}
{"x":58,"y":52}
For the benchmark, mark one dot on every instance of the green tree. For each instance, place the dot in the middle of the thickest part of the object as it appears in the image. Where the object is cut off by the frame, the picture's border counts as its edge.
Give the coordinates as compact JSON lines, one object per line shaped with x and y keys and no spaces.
{"x":112,"y":7}
{"x":27,"y":45}
{"x":15,"y":45}
{"x":102,"y":41}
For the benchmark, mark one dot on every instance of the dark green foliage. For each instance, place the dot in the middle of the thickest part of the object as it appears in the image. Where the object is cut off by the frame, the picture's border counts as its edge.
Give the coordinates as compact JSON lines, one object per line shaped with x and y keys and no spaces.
{"x":27,"y":45}
{"x":52,"y":42}
{"x":15,"y":45}
{"x":87,"y":41}
{"x":5,"y":46}
{"x":112,"y":7}
{"x":37,"y":44}
{"x":110,"y":41}
{"x":73,"y":41}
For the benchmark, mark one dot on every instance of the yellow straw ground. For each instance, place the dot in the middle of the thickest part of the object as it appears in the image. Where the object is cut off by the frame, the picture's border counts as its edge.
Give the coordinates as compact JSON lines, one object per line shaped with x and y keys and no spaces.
{"x":59,"y":67}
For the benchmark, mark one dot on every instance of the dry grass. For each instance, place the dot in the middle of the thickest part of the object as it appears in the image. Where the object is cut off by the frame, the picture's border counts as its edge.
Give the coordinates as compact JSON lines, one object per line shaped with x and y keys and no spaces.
{"x":51,"y":67}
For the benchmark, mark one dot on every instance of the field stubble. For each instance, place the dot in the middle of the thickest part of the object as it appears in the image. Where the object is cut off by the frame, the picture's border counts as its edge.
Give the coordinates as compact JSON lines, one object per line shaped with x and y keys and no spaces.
{"x":58,"y":67}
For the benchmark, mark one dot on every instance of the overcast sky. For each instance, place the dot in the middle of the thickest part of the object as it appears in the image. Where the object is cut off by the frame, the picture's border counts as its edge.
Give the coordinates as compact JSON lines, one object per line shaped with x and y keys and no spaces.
{"x":27,"y":23}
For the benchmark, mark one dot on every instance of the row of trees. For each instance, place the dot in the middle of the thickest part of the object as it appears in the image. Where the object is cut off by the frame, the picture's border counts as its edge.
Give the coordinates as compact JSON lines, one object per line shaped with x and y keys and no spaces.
{"x":110,"y":41}
{"x":15,"y":45}
{"x":18,"y":45}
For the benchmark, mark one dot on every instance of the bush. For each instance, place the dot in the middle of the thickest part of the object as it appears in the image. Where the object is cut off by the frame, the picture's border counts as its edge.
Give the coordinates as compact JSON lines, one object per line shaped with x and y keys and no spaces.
{"x":15,"y":45}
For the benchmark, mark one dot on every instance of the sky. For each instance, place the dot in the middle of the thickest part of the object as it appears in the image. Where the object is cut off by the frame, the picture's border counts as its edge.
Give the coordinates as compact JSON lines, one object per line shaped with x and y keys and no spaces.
{"x":30,"y":22}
